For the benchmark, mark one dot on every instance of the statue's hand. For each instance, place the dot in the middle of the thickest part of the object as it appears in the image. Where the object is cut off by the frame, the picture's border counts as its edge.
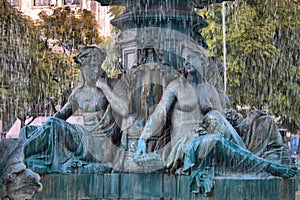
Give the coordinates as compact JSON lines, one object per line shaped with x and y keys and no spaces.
{"x":200,"y":130}
{"x":231,"y":114}
{"x":101,"y":83}
{"x":233,"y":117}
{"x":141,"y":148}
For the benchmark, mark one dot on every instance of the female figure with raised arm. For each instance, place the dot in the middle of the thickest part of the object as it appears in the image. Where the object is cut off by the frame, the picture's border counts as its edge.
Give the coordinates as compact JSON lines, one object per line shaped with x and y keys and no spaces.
{"x":59,"y":146}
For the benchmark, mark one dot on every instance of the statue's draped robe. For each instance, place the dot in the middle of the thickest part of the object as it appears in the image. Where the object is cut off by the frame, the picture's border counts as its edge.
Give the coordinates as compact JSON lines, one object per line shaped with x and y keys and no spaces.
{"x":59,"y":146}
{"x":221,"y":144}
{"x":262,"y":137}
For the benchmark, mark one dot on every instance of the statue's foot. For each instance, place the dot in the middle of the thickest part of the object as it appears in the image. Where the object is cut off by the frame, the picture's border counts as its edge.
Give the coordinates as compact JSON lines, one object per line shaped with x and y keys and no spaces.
{"x":197,"y":191}
{"x":180,"y":171}
{"x":284,"y":171}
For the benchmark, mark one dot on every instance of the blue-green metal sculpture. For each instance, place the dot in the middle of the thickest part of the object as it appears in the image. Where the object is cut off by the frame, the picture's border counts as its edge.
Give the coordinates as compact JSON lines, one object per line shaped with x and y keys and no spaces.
{"x":167,"y":111}
{"x":58,"y":146}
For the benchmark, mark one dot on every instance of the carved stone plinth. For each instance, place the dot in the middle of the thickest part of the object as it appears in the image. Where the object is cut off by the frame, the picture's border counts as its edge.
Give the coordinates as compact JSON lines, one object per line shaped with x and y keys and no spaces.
{"x":161,"y":186}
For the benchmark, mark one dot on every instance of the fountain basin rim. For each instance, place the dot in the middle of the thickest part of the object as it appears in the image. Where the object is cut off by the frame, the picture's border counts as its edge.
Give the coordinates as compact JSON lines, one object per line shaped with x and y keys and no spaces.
{"x":191,"y":18}
{"x":200,"y":4}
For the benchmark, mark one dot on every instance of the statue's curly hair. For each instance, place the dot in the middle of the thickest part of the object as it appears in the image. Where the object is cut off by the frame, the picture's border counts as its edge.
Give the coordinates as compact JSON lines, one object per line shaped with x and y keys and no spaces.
{"x":11,"y":159}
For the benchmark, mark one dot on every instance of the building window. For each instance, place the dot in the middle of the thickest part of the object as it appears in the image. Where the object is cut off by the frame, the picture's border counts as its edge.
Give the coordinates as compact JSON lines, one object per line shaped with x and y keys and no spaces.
{"x":71,"y":2}
{"x":15,"y":3}
{"x":41,"y":2}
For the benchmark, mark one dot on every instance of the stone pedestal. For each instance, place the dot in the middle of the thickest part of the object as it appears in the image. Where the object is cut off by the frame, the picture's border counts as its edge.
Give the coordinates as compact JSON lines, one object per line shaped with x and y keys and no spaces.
{"x":160,"y":186}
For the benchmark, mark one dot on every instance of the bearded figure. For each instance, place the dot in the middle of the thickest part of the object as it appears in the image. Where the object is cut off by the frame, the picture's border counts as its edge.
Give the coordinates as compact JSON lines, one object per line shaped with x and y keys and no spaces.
{"x":17,"y":182}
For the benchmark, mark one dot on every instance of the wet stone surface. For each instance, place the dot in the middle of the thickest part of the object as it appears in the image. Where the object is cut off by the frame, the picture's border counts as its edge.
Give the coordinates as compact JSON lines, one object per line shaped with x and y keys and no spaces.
{"x":161,"y":186}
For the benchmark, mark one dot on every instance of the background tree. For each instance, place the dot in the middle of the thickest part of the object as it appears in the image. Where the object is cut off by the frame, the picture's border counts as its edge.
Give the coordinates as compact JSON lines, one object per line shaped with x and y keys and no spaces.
{"x":68,"y":29}
{"x":263,"y":65}
{"x":37,"y":70}
{"x":19,"y":42}
{"x":115,"y":10}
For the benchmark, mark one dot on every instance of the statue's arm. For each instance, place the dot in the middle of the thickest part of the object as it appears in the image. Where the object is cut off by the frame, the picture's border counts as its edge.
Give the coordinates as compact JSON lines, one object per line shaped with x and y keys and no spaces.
{"x":69,"y":108}
{"x":119,"y":103}
{"x":157,"y":119}
{"x":65,"y":112}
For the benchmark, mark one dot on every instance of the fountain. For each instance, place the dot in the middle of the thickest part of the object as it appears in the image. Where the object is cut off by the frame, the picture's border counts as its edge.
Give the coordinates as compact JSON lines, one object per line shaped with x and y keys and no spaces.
{"x":164,"y":129}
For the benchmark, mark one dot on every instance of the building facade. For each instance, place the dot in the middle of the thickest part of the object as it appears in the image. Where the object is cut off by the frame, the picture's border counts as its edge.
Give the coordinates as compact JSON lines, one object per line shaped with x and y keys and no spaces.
{"x":33,"y":7}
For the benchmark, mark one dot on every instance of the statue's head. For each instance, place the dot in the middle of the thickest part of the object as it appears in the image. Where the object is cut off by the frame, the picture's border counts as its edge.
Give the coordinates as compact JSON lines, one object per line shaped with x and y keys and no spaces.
{"x":195,"y":58}
{"x":17,"y":182}
{"x":90,"y":59}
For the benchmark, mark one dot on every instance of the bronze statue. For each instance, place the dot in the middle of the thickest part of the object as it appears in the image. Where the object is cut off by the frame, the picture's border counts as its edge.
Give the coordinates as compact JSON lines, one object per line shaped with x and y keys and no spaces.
{"x":190,"y":102}
{"x":201,"y":138}
{"x":258,"y":130}
{"x":187,"y":100}
{"x":261,"y":135}
{"x":58,"y":146}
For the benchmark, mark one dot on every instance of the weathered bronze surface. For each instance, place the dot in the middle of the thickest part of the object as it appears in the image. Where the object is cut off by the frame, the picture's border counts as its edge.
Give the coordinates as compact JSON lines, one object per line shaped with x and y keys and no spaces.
{"x":165,"y":113}
{"x":182,"y":126}
{"x":17,"y":182}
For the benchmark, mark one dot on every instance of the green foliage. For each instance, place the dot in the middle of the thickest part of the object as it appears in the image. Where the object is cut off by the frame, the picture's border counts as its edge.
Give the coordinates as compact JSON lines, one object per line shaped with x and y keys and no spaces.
{"x":37,"y":70}
{"x":115,"y":10}
{"x":262,"y":54}
{"x":110,"y":64}
{"x":18,"y":41}
{"x":69,"y":30}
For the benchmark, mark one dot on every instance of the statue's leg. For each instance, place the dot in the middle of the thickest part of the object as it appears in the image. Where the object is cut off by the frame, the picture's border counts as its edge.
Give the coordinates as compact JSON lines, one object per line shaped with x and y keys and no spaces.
{"x":237,"y":159}
{"x":242,"y":158}
{"x":36,"y":140}
{"x":53,"y":145}
{"x":273,"y":147}
{"x":222,"y":152}
{"x":52,"y":130}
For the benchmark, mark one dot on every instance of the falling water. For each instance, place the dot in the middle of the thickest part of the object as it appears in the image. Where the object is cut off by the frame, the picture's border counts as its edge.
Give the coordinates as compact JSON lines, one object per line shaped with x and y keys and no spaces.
{"x":224,"y":42}
{"x":17,"y":87}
